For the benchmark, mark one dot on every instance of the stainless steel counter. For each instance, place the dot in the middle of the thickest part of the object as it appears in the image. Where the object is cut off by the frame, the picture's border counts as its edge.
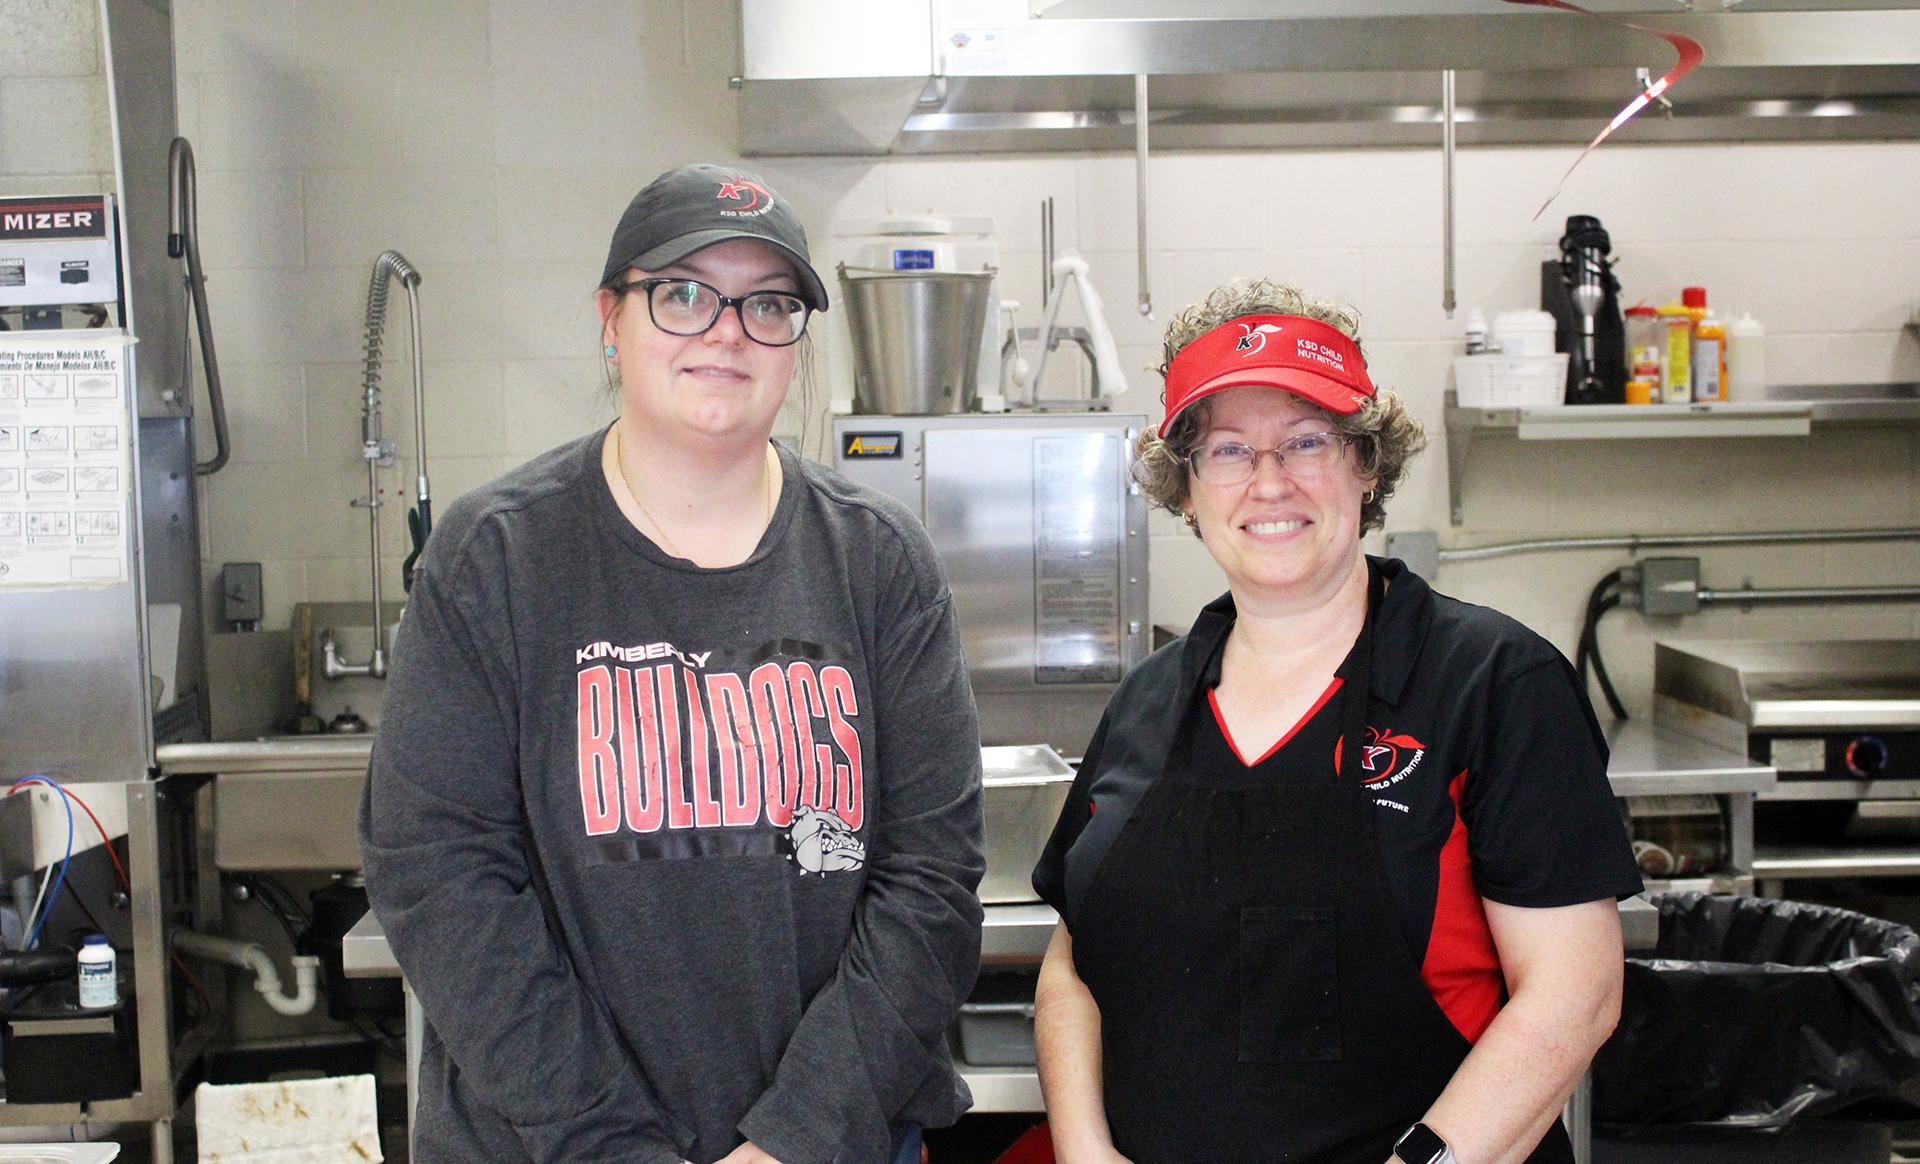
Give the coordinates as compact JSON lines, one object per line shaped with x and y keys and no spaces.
{"x":274,"y":754}
{"x":1646,"y":761}
{"x":1649,"y":760}
{"x":1012,"y":933}
{"x":364,"y":952}
{"x":1013,"y":929}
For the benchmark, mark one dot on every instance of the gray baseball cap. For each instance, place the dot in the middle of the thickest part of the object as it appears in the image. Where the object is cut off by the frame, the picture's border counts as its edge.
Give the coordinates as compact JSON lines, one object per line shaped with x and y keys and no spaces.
{"x":694,"y":207}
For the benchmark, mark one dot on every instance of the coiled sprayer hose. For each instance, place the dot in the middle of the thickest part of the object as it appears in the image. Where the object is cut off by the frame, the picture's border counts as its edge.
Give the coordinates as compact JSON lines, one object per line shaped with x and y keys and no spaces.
{"x":389,"y":264}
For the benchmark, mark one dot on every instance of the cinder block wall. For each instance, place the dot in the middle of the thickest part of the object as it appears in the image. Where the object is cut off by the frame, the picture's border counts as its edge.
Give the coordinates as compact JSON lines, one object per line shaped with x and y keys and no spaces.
{"x":495,"y":144}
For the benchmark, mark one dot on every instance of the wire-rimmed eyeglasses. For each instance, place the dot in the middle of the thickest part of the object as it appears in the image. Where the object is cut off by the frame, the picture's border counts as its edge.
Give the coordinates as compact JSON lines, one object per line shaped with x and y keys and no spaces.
{"x":690,"y":307}
{"x":1309,"y":455}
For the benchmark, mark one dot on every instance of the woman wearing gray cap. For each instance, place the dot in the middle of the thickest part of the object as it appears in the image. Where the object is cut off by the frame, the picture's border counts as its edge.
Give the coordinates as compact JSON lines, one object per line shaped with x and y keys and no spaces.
{"x":674,"y":820}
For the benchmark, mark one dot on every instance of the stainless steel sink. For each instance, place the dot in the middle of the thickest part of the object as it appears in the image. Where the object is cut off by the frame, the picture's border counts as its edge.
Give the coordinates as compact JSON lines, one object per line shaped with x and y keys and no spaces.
{"x":281,"y":803}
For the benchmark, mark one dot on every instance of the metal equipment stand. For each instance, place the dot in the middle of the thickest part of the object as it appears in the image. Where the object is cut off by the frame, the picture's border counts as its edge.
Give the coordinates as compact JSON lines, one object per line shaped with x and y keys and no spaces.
{"x":152,"y":1102}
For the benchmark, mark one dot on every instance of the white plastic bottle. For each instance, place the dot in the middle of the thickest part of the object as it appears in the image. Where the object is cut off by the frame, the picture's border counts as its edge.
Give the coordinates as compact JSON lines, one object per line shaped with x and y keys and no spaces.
{"x":99,"y":976}
{"x":1476,"y":332}
{"x":1746,"y":359}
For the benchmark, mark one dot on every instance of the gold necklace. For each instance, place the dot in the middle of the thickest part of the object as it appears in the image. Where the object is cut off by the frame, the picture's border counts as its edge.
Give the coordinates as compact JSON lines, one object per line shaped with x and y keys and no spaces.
{"x":768,"y":474}
{"x":620,"y":471}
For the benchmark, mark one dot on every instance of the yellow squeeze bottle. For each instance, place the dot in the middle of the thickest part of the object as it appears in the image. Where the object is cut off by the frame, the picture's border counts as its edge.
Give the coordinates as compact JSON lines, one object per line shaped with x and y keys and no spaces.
{"x":1676,"y":379}
{"x":1710,"y":359}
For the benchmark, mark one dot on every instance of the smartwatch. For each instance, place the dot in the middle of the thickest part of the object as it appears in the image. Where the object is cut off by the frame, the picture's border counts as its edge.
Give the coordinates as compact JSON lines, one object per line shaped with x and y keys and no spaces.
{"x":1423,"y":1145}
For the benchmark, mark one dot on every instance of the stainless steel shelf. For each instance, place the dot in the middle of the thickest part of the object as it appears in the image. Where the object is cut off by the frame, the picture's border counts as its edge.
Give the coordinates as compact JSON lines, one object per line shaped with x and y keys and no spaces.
{"x":1781,"y":862}
{"x":1004,"y":1088}
{"x":1663,"y":421}
{"x":1649,"y":760}
{"x":1016,"y":933}
{"x":1728,"y":883}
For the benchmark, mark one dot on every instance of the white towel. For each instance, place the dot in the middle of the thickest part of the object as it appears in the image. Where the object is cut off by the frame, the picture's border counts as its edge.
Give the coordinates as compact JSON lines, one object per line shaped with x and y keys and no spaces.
{"x":1113,"y":380}
{"x":302,"y":1121}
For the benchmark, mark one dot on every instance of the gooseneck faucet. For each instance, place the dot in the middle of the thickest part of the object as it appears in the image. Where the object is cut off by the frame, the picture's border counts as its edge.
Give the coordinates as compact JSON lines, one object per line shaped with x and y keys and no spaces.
{"x":378,"y":451}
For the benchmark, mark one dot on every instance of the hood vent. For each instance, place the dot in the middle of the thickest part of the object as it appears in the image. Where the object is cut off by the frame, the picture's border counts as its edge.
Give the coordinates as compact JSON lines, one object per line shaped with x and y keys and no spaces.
{"x":882,"y":77}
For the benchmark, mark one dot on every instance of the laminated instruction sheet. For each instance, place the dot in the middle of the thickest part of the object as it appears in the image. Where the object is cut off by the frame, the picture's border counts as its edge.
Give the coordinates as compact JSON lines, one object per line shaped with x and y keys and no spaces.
{"x":65,"y":459}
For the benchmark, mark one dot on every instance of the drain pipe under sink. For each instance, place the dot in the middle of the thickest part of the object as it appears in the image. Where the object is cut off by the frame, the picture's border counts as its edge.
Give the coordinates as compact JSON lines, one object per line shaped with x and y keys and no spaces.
{"x":252,"y":956}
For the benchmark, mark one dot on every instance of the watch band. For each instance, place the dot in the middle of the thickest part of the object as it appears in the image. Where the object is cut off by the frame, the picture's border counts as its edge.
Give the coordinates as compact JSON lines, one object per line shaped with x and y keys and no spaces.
{"x":1423,"y":1145}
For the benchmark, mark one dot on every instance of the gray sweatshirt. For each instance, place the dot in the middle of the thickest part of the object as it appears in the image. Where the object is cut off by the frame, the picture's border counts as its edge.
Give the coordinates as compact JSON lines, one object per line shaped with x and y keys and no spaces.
{"x":677,"y":857}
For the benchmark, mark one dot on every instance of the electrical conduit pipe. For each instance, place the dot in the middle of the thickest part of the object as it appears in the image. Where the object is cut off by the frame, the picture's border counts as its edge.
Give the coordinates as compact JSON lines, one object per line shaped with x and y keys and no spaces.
{"x":251,"y":956}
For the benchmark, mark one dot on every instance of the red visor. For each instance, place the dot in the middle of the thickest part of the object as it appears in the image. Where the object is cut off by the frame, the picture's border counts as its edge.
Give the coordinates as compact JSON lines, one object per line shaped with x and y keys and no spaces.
{"x":1304,"y":356}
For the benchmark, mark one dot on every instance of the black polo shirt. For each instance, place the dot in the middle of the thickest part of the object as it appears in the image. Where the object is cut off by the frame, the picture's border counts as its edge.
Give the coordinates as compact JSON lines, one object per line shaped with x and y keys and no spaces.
{"x":1487,"y":768}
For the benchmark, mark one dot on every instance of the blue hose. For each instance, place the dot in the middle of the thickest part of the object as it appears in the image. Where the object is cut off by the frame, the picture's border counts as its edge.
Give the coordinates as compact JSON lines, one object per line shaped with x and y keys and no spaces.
{"x":60,"y":879}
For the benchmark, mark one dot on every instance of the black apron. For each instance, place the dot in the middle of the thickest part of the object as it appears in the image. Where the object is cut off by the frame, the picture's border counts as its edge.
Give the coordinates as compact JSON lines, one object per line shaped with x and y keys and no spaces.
{"x":1258,"y":1001}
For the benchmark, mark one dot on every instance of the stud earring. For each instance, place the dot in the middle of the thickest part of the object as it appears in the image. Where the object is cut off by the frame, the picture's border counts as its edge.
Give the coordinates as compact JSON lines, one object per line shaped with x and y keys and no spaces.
{"x":610,"y":351}
{"x":1193,"y":523}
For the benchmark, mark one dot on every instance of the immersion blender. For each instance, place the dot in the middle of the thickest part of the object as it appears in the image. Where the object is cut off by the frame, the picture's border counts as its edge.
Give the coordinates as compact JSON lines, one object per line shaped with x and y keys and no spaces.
{"x":1580,"y":291}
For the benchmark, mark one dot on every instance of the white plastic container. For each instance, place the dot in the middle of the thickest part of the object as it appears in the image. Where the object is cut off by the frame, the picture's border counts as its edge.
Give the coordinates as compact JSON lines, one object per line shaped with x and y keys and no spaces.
{"x":1507,"y":381}
{"x":1524,"y":333}
{"x":59,"y":1153}
{"x":99,"y":976}
{"x":1746,"y":359}
{"x":1476,"y":333}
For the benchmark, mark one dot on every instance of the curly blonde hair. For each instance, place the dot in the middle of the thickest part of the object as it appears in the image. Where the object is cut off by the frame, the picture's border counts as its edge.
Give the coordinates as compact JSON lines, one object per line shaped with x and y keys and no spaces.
{"x":1384,"y":435}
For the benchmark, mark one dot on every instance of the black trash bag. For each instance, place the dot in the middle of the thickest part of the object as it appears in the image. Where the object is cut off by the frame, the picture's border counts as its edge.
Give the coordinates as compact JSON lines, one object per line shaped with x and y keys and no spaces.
{"x":1754,"y":1013}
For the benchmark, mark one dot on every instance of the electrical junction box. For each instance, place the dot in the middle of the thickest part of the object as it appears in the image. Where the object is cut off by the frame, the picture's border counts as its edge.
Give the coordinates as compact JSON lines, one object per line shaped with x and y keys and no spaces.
{"x":242,"y":598}
{"x":57,"y":250}
{"x":1670,"y":586}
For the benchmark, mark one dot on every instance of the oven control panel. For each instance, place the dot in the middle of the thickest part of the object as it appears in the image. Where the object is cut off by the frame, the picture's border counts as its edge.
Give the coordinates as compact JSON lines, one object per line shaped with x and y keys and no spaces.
{"x":1854,"y":754}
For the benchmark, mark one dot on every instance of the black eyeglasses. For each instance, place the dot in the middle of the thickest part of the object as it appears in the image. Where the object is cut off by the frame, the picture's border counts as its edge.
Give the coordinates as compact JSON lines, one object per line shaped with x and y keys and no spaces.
{"x":690,"y":307}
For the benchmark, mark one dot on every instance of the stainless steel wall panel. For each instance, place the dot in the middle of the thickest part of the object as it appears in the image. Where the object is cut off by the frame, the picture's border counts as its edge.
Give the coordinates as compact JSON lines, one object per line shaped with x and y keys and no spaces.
{"x":1064,"y":718}
{"x":73,"y":695}
{"x":979,"y":512}
{"x":169,"y":549}
{"x":75,"y":699}
{"x":1079,"y":535}
{"x":140,"y":47}
{"x":840,"y":116}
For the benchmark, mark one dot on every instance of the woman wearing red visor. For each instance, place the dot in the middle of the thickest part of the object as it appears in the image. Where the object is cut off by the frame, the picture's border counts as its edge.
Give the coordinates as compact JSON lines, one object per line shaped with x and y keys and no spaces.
{"x":1337,"y":875}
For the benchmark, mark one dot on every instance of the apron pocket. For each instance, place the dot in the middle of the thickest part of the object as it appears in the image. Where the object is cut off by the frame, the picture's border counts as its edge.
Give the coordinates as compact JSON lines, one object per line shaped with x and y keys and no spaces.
{"x":1289,"y":984}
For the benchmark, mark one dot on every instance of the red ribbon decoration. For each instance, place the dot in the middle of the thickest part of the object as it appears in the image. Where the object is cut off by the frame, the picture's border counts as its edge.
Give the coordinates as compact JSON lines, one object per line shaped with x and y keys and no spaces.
{"x":1691,"y":54}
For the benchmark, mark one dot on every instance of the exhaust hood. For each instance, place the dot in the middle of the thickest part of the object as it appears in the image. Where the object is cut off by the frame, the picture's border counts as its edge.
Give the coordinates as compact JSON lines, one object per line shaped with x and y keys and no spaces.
{"x":866,"y":77}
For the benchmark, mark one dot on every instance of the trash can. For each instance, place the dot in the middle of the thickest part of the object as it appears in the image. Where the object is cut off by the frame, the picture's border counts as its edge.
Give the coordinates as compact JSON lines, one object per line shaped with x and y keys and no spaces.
{"x":1753,"y":1013}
